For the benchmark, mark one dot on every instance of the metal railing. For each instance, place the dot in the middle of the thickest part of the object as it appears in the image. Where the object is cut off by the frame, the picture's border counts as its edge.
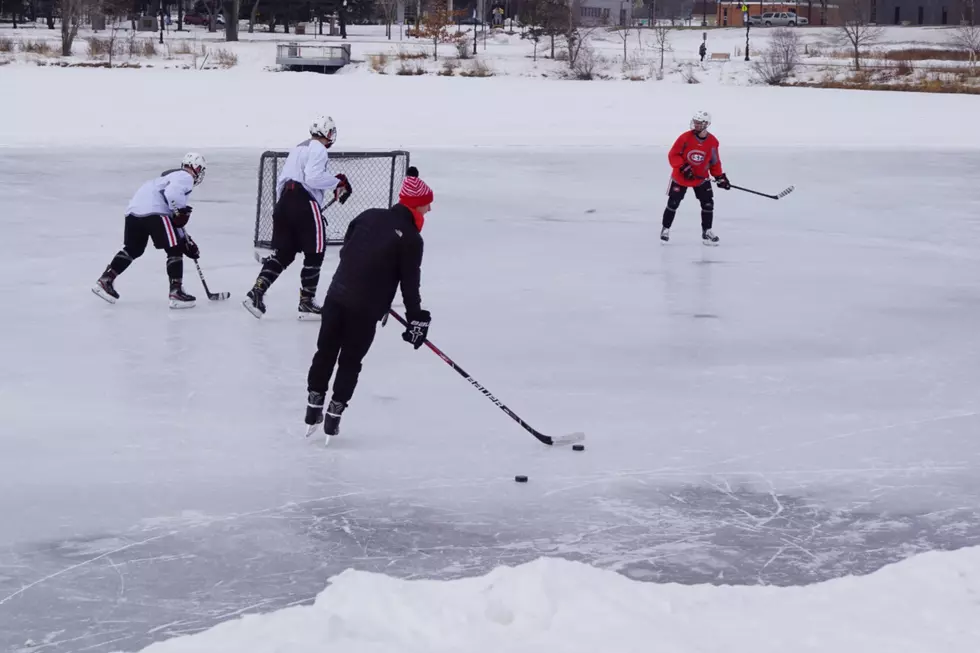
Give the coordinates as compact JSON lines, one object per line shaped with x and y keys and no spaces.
{"x":313,"y":53}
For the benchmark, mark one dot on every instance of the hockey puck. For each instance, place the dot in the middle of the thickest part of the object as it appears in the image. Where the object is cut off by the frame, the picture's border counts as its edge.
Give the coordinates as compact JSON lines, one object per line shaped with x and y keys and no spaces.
{"x":520,"y":478}
{"x":578,"y":447}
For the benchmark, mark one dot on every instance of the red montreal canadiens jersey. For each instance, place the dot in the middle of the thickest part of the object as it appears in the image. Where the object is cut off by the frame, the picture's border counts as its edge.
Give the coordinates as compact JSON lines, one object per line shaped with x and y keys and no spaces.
{"x":701,"y":154}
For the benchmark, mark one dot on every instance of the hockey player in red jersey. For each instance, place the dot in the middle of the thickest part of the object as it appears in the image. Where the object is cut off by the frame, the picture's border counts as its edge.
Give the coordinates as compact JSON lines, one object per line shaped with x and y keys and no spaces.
{"x":694,"y":157}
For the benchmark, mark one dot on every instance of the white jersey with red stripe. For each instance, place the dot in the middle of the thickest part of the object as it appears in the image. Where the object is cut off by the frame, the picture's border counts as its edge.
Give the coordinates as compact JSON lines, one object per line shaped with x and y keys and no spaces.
{"x":307,"y":166}
{"x":162,"y":195}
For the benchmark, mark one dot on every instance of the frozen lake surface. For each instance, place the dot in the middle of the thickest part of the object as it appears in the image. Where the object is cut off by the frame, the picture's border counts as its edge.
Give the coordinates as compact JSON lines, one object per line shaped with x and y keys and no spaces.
{"x":796,"y":405}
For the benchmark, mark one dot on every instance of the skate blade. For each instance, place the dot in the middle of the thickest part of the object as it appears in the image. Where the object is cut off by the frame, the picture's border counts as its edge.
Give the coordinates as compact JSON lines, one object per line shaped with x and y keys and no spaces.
{"x":103,"y":295}
{"x":708,"y":243}
{"x":252,"y":309}
{"x":179,"y":305}
{"x":307,"y":317}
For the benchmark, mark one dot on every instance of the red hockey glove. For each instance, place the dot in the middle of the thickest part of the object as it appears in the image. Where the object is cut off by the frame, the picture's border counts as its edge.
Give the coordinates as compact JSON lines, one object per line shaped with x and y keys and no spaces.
{"x":687,"y":171}
{"x":181,"y":217}
{"x":722,"y":182}
{"x":191,"y":250}
{"x":343,"y":190}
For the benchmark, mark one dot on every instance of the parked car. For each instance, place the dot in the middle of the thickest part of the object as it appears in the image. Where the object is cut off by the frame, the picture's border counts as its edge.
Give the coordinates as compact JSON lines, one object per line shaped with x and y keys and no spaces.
{"x":782,"y":19}
{"x":202,"y":19}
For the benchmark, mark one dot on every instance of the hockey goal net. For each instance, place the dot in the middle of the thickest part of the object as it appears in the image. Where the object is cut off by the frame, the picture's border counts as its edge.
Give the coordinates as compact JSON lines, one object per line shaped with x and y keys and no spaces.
{"x":376,"y":178}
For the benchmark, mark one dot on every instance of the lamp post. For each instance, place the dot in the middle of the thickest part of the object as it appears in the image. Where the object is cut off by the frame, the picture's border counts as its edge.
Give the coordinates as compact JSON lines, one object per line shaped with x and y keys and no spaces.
{"x":748,"y":26}
{"x":704,"y":14}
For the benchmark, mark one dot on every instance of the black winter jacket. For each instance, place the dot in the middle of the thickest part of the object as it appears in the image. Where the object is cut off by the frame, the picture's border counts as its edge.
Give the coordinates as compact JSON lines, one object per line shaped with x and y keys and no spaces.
{"x":382,"y":248}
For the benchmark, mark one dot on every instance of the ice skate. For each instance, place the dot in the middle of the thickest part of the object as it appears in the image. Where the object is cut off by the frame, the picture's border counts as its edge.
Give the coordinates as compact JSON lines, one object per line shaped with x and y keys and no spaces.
{"x":104,"y":289}
{"x":308,"y":309}
{"x":179,"y":298}
{"x":314,"y":411}
{"x":708,"y":238}
{"x":331,"y":422}
{"x":665,"y":234}
{"x":254,"y":303}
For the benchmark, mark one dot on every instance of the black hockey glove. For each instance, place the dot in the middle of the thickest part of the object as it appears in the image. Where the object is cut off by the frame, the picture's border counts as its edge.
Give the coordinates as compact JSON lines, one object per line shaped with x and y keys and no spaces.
{"x":191,"y":250}
{"x":722,"y":182}
{"x":181,"y":217}
{"x":418,"y":328}
{"x":687,"y":171}
{"x":343,"y":190}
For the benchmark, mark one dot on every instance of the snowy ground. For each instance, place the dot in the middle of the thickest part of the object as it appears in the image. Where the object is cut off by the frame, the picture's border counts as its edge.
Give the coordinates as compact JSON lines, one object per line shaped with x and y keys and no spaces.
{"x":797,"y":405}
{"x":508,"y":54}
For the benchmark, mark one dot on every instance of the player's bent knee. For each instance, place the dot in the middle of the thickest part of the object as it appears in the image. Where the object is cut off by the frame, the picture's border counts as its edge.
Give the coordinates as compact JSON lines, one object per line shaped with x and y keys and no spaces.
{"x":708,"y":206}
{"x":283,"y":259}
{"x":313,"y":260}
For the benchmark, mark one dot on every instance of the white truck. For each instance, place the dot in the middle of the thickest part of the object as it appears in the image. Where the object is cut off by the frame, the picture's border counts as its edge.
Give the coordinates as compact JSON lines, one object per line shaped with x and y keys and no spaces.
{"x":779,"y":19}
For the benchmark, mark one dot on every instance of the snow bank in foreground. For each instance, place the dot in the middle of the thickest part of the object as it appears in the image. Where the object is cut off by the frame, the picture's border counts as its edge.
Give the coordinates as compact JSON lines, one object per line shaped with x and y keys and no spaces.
{"x":273,"y":110}
{"x":927,"y":604}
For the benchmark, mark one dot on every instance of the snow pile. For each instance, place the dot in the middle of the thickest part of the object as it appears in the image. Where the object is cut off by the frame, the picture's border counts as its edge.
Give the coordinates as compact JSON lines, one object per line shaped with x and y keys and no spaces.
{"x":927,"y":604}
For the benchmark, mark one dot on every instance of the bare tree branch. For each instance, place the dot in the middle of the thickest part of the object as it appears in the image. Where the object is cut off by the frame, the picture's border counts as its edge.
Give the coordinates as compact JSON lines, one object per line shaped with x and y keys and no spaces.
{"x":967,"y":37}
{"x":856,"y":30}
{"x":781,"y":58}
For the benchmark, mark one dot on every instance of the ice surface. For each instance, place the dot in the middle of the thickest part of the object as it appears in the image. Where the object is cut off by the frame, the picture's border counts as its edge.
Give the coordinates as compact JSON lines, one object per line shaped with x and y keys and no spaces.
{"x":796,"y":405}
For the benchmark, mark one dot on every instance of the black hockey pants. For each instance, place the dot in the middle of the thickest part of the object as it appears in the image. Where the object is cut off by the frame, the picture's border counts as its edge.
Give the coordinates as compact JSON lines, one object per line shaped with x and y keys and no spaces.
{"x":297,"y":226}
{"x":158,"y":229}
{"x":705,"y":195}
{"x":345,"y":338}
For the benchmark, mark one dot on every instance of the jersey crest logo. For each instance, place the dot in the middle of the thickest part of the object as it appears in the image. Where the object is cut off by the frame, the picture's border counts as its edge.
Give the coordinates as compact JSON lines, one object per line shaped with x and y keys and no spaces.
{"x":696,"y":156}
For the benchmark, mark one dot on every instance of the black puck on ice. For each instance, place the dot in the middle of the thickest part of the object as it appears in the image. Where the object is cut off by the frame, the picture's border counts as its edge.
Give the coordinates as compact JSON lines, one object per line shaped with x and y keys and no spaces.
{"x":578,"y":447}
{"x":520,"y":478}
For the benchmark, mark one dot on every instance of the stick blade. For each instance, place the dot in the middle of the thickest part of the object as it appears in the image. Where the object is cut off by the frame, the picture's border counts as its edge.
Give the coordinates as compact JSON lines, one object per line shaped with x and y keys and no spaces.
{"x":218,"y":296}
{"x":785,"y":192}
{"x":571,"y":438}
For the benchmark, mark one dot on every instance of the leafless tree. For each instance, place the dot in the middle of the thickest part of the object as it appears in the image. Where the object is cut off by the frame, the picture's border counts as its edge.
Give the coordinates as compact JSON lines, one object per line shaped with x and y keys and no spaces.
{"x":781,"y":58}
{"x":624,"y":33}
{"x":967,"y":37}
{"x":855,"y":30}
{"x":389,"y":8}
{"x":71,"y":16}
{"x":661,"y":39}
{"x":577,"y":35}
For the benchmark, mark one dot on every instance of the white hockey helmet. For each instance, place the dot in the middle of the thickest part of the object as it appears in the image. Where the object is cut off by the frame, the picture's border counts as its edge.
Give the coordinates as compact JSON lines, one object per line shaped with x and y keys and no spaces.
{"x":196,"y":165}
{"x":324,"y":127}
{"x":700,"y":122}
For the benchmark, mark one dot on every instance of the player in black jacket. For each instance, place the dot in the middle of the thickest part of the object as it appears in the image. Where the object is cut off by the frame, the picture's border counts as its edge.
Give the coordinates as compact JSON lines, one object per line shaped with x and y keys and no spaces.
{"x":382,"y":249}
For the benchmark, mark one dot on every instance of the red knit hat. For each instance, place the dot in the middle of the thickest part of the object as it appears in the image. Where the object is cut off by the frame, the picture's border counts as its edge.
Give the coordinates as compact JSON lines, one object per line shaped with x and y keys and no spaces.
{"x":415,"y":193}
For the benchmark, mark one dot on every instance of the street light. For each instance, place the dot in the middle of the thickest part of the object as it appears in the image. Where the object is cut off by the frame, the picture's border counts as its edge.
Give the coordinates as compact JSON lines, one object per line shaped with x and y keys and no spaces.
{"x":704,"y":16}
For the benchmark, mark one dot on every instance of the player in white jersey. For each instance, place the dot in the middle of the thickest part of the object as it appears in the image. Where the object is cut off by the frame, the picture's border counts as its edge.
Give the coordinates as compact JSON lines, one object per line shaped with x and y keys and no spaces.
{"x":159,"y":212}
{"x":298,"y":224}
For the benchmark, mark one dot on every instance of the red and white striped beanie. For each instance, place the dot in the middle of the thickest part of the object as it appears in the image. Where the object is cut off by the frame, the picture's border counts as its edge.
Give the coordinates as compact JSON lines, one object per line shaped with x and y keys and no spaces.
{"x":415,"y":193}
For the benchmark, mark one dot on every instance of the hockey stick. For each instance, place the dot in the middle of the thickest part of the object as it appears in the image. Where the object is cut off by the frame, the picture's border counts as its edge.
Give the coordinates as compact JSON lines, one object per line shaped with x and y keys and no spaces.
{"x":782,"y":193}
{"x":544,"y":439}
{"x":213,"y":296}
